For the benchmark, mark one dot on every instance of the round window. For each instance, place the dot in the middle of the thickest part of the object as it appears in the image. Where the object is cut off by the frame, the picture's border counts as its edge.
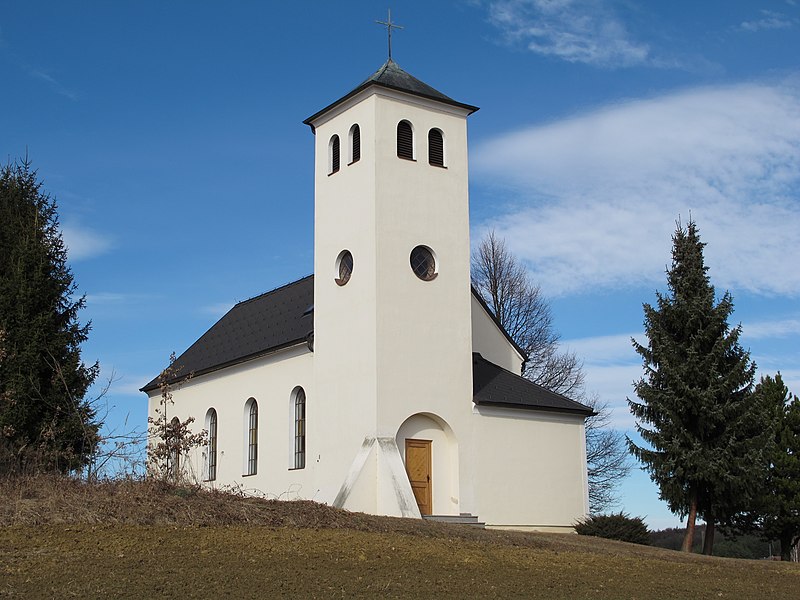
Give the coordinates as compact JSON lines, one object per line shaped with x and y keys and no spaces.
{"x":344,"y":267}
{"x":423,"y":263}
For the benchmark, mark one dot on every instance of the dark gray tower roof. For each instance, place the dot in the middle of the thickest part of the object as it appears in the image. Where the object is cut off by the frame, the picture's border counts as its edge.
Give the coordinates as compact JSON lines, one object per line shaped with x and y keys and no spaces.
{"x":392,"y":77}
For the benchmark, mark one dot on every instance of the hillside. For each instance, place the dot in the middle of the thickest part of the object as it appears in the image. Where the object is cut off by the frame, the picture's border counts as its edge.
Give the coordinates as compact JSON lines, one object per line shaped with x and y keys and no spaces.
{"x":61,"y":538}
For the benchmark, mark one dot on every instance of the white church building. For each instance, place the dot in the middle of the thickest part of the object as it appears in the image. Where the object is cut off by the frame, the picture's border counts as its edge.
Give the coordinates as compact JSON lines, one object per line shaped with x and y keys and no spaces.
{"x":382,"y":383}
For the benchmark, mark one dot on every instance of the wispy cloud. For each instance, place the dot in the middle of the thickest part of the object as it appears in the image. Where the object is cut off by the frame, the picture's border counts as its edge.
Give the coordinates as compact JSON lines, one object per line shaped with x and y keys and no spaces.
{"x":772,"y":329}
{"x":83,"y":243}
{"x":578,"y":31}
{"x":54,"y":84}
{"x":607,"y":349}
{"x":216,"y":310}
{"x":769,"y":20}
{"x":597,"y":195}
{"x":106,"y":298}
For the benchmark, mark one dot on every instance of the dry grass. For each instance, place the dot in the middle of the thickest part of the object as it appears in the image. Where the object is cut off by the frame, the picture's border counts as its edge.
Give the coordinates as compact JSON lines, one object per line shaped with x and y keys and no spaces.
{"x":62,"y":538}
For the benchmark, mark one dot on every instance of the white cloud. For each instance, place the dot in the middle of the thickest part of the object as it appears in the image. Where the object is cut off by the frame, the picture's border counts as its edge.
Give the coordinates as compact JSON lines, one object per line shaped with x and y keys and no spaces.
{"x":216,"y":310}
{"x":82,"y":242}
{"x":606,"y":349}
{"x":105,"y":298}
{"x":600,"y":192}
{"x":580,"y":31}
{"x":771,"y":329}
{"x":769,"y":20}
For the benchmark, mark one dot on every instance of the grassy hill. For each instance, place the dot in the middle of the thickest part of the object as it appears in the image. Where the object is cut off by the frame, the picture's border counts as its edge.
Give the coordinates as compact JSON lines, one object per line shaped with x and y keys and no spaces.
{"x":65,"y":539}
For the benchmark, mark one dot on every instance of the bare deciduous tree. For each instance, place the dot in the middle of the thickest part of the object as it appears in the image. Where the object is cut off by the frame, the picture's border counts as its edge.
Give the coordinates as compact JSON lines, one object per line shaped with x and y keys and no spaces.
{"x":518,"y":303}
{"x":170,"y":438}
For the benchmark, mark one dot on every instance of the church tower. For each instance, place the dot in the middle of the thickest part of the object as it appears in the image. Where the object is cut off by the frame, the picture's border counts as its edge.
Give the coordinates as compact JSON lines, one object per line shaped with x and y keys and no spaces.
{"x":392,"y":325}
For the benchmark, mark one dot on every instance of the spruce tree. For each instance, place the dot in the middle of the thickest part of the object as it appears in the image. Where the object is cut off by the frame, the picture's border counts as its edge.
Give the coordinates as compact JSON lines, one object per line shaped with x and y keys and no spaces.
{"x":777,"y":508}
{"x":45,"y":421}
{"x":695,"y":412}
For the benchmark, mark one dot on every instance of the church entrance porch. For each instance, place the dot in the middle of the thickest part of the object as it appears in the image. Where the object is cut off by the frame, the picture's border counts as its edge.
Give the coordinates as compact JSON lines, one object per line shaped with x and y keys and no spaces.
{"x":430,"y":457}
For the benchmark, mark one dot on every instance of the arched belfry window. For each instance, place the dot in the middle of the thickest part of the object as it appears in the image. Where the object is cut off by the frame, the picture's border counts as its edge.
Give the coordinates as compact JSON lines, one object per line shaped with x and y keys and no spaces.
{"x":405,"y":140}
{"x":251,"y":439}
{"x":299,"y":428}
{"x":355,"y":143}
{"x":333,"y":155}
{"x":211,"y":458}
{"x":435,"y":148}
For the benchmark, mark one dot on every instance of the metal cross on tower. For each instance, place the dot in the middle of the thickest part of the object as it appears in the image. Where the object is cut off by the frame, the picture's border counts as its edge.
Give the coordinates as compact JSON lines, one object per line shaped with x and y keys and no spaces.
{"x":389,"y":26}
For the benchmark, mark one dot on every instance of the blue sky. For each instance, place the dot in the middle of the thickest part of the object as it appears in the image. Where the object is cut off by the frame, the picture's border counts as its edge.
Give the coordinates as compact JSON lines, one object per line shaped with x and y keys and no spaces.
{"x":171,"y":135}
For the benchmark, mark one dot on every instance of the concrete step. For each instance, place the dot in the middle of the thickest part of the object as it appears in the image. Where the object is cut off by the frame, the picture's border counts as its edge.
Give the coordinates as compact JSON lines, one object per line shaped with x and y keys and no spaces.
{"x":462,"y":519}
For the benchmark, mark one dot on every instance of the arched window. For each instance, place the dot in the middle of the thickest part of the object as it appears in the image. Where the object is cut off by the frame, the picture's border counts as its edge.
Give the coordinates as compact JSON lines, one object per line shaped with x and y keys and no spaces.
{"x":333,"y":155}
{"x":355,"y":143}
{"x":299,"y":428}
{"x":251,"y":416}
{"x":211,"y":458}
{"x":435,"y":148}
{"x":174,"y":455}
{"x":405,"y":140}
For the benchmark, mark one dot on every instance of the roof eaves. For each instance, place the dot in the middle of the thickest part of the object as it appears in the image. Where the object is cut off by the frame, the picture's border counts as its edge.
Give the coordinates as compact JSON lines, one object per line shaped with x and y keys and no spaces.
{"x":231,"y":363}
{"x":584,"y":411}
{"x":375,"y":79}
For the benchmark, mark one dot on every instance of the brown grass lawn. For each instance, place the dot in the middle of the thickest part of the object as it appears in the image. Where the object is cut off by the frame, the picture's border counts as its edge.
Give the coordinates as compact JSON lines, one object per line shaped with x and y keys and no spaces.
{"x":65,"y":539}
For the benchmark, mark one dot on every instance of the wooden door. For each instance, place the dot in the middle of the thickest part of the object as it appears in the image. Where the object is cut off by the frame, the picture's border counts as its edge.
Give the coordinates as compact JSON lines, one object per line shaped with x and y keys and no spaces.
{"x":418,"y":467}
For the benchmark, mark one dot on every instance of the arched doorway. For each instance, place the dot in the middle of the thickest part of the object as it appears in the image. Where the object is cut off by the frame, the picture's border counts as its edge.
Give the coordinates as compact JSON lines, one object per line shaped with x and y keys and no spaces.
{"x":430,"y":454}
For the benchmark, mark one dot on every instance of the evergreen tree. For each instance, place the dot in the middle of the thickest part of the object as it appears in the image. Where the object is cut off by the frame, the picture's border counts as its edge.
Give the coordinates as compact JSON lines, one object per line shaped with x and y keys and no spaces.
{"x":45,"y":423}
{"x":696,"y":412}
{"x":778,"y":506}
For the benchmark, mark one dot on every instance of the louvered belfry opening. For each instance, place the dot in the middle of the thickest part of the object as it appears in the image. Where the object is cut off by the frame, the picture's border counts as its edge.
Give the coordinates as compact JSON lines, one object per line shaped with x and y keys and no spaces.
{"x":355,"y":143}
{"x":435,"y":148}
{"x":334,"y":154}
{"x":405,"y":140}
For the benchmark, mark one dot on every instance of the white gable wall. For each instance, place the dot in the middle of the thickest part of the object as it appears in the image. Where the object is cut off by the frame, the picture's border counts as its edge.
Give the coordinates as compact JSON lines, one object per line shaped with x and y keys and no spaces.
{"x":490,"y":342}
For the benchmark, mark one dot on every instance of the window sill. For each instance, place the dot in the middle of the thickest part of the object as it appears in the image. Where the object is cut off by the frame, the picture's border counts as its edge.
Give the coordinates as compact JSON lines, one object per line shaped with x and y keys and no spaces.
{"x":249,"y":474}
{"x":438,"y":166}
{"x":295,"y":468}
{"x":352,"y":162}
{"x":408,"y":159}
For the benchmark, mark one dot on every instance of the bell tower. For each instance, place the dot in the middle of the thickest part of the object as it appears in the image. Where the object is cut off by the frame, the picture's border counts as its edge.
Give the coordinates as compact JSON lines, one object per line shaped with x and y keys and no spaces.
{"x":392,"y":322}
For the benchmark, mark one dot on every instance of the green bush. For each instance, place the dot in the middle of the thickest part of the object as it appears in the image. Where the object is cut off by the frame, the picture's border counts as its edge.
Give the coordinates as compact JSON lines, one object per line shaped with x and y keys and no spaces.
{"x":615,"y":527}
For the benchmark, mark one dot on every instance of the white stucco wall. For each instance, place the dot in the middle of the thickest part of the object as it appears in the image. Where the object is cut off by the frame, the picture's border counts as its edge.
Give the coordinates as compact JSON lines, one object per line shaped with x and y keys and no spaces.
{"x":270,"y":380}
{"x":530,"y":468}
{"x":490,"y":342}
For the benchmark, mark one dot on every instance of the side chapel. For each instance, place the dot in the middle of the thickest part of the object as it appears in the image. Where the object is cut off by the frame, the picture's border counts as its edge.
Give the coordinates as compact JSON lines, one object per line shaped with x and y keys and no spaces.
{"x":382,"y":383}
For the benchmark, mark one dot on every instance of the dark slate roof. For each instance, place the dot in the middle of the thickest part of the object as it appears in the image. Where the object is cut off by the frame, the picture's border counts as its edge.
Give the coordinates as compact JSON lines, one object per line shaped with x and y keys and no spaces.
{"x":284,"y":317}
{"x":392,"y":77}
{"x":269,"y":322}
{"x":494,"y":386}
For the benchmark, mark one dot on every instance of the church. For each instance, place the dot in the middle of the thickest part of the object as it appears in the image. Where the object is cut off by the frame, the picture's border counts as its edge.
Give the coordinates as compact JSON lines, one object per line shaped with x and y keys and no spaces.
{"x":382,"y":383}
